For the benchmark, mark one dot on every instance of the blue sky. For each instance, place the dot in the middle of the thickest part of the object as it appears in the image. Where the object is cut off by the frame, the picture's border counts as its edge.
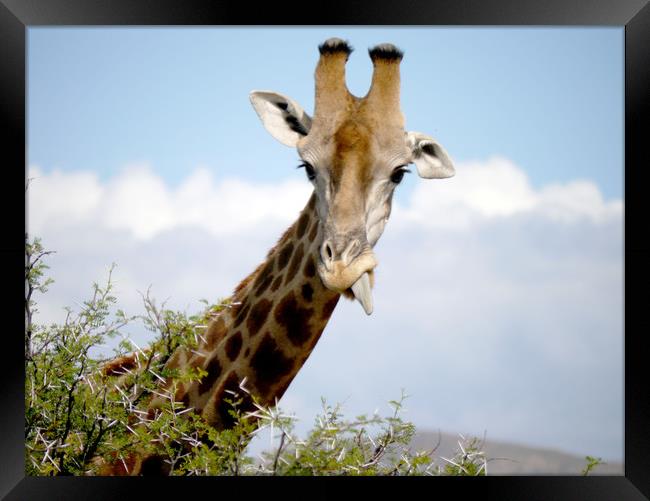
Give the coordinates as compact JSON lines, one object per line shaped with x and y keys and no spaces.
{"x":498,"y":300}
{"x":550,"y":99}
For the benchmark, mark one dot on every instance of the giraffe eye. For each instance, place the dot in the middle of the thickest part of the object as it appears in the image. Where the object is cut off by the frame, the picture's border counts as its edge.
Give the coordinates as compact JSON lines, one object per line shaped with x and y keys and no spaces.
{"x":309,"y":170}
{"x":398,"y":174}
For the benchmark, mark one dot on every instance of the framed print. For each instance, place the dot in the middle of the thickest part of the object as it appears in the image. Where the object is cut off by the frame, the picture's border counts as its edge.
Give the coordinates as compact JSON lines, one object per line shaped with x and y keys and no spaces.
{"x":486,"y":238}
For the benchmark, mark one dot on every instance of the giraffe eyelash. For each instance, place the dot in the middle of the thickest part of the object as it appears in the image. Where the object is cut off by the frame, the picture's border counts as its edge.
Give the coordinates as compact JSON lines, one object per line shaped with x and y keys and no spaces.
{"x":398,"y":174}
{"x":309,"y":169}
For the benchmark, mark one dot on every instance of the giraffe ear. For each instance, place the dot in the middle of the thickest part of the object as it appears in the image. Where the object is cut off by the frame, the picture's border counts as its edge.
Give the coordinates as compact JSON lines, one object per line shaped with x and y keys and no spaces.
{"x":430,"y":158}
{"x":282,"y":116}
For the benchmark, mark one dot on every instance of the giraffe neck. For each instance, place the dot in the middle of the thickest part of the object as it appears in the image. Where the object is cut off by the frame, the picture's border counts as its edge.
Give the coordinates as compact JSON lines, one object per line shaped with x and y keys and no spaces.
{"x":279,"y":312}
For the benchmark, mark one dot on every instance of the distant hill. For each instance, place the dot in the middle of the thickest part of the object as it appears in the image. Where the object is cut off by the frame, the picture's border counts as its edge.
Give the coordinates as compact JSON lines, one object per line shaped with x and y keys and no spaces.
{"x":519,"y":459}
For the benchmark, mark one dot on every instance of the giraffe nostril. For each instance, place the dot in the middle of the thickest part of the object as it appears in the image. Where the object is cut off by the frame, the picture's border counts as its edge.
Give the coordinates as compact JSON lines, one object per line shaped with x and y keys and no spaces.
{"x":351,"y":252}
{"x":327,"y":253}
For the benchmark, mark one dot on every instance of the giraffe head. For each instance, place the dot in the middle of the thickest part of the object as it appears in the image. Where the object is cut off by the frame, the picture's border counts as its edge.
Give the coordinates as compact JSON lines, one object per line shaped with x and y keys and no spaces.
{"x":355,"y":152}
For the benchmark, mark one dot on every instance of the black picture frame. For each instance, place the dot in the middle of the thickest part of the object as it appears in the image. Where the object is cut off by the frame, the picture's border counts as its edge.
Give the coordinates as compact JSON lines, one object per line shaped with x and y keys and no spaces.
{"x":18,"y":15}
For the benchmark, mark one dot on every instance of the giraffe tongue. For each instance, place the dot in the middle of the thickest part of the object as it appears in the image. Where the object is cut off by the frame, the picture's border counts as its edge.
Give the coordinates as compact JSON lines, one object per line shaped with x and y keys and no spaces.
{"x":361,"y":290}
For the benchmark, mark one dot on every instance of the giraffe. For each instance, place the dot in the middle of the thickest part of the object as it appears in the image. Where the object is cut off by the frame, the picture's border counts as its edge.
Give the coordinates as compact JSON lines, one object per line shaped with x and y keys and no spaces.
{"x":354,"y":151}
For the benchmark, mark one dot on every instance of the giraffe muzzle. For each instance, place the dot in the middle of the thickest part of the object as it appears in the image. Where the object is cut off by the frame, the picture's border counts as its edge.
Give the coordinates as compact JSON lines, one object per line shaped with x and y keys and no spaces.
{"x":329,"y":255}
{"x":349,"y":270}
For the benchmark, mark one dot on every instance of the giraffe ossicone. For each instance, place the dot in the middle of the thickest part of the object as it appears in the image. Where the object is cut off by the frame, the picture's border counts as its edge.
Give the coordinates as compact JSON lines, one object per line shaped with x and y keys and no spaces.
{"x":355,"y":151}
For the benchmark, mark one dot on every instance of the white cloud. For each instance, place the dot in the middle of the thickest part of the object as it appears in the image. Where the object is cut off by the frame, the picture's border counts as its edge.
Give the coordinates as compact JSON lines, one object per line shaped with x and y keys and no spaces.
{"x":68,"y":197}
{"x":497,"y":188}
{"x":497,"y":305}
{"x":578,"y":199}
{"x":139,"y":202}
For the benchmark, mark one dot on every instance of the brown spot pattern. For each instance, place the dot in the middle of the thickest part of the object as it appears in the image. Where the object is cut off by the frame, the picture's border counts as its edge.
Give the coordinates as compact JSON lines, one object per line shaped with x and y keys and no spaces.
{"x":307,"y":292}
{"x":310,"y":268}
{"x":223,"y":408}
{"x":119,"y":468}
{"x":242,"y":285}
{"x":258,"y":315}
{"x":295,"y":263}
{"x":282,"y":388}
{"x":197,"y":360}
{"x":264,"y":278}
{"x":216,"y":332}
{"x":313,"y":232}
{"x":241,"y":315}
{"x":269,"y":364}
{"x":174,"y":360}
{"x":314,"y":340}
{"x":276,"y":283}
{"x":213,"y":372}
{"x":294,"y":319}
{"x":120,"y":365}
{"x":284,"y":238}
{"x":284,"y":256}
{"x":328,"y":307}
{"x":155,"y":465}
{"x":303,"y":222}
{"x":233,"y":346}
{"x":264,"y":285}
{"x":181,"y":393}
